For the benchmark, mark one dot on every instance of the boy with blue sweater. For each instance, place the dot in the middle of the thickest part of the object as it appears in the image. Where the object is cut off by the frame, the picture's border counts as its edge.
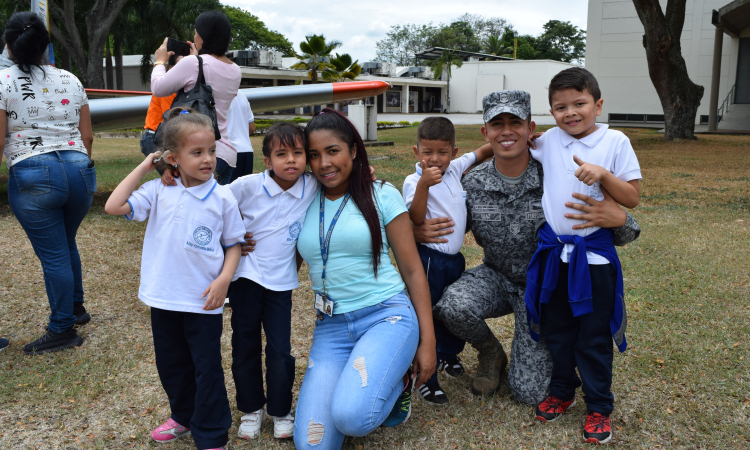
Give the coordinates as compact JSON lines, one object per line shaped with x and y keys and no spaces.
{"x":575,"y":272}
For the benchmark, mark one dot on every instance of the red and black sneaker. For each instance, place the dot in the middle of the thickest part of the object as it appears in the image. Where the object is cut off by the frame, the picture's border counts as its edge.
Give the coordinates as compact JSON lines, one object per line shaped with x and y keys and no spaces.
{"x":552,"y":408}
{"x":598,"y":429}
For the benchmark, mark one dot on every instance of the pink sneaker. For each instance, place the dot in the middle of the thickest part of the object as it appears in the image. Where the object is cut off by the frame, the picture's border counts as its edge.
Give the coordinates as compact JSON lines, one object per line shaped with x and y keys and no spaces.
{"x":169,"y":431}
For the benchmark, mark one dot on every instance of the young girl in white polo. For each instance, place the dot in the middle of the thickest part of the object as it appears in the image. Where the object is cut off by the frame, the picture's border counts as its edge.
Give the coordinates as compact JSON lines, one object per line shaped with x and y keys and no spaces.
{"x":189,"y":258}
{"x":273,"y":205}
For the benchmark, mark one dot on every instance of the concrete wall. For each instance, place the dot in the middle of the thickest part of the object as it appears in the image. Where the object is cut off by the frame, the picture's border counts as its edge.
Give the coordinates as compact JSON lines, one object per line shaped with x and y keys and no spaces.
{"x":615,"y":55}
{"x":131,"y":80}
{"x":472,"y":81}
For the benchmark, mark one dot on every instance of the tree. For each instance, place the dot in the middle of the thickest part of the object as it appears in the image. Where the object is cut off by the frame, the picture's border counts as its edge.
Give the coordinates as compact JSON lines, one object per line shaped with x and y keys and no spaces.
{"x":561,"y":41}
{"x":446,"y":60}
{"x":402,"y":42}
{"x":98,"y":20}
{"x":484,"y":28}
{"x":457,"y":36}
{"x":148,"y":22}
{"x":342,"y":69}
{"x":315,"y":55}
{"x":248,"y":31}
{"x":679,"y":96}
{"x":495,"y":47}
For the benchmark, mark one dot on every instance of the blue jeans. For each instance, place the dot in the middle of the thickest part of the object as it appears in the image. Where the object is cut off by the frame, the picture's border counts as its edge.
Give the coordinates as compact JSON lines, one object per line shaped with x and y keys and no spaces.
{"x":355,"y":372}
{"x":223,"y":172}
{"x":50,"y":195}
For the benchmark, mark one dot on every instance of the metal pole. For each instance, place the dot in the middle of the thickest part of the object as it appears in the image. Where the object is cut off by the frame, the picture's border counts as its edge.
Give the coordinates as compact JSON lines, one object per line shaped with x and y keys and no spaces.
{"x":715,"y":79}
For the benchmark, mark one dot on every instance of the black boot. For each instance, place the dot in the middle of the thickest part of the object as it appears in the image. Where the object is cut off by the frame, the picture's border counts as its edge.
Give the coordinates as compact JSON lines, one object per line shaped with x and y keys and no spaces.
{"x":82,"y":317}
{"x":52,"y":342}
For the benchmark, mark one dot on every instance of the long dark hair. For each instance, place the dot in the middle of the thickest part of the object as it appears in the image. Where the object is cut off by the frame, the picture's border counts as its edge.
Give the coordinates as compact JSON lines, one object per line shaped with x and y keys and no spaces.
{"x":360,"y":180}
{"x":215,"y":30}
{"x":27,"y":39}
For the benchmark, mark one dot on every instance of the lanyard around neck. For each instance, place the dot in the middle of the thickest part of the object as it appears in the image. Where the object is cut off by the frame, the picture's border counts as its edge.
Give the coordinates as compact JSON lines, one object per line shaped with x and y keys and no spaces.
{"x":324,"y":243}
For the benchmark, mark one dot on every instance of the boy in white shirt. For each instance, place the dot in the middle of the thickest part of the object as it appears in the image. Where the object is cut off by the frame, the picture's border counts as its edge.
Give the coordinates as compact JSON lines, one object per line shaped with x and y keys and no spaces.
{"x":575,"y":272}
{"x":273,"y":204}
{"x":435,"y":191}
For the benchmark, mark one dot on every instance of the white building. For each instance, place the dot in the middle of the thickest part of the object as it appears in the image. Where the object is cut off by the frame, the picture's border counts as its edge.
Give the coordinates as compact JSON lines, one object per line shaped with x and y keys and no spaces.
{"x":414,"y":89}
{"x":715,"y":45}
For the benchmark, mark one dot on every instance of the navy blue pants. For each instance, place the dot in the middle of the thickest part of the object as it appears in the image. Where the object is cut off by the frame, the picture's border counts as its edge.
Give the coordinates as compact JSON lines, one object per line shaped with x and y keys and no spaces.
{"x":584,"y":342}
{"x":442,"y":270}
{"x":253,"y":307}
{"x":188,"y":358}
{"x":244,"y":166}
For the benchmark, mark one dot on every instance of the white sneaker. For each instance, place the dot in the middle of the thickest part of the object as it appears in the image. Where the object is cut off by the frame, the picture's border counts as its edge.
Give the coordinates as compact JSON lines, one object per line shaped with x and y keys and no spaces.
{"x":283,"y":427}
{"x":250,"y":424}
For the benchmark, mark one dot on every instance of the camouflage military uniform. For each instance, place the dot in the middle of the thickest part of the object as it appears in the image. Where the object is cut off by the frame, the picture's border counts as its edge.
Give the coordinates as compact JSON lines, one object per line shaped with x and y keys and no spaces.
{"x":505,"y":220}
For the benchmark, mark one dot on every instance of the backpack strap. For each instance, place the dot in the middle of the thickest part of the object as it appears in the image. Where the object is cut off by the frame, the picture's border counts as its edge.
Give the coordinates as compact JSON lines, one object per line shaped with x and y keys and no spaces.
{"x":201,"y":79}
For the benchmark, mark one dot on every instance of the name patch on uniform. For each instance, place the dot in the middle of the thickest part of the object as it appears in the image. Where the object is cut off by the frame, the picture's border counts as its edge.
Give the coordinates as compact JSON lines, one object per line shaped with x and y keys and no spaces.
{"x":486,"y":213}
{"x":535,"y":211}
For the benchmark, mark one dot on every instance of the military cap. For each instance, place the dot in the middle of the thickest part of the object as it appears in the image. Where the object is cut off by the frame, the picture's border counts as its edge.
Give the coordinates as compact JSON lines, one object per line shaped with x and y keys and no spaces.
{"x":517,"y":103}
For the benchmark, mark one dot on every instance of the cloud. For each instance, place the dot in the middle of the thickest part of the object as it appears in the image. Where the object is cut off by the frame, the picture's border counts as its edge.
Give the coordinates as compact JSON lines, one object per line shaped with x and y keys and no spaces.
{"x":359,"y":25}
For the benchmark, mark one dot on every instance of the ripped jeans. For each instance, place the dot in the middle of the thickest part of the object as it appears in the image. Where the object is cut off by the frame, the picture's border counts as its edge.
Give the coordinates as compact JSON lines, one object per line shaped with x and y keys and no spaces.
{"x":355,"y":372}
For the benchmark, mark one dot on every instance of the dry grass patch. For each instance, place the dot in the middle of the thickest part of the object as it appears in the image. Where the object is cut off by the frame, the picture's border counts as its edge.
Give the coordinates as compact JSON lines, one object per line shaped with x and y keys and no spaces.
{"x":683,"y":383}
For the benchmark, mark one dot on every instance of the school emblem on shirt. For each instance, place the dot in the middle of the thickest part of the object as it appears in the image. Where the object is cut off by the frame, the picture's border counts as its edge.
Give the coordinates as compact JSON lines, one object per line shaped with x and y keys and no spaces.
{"x":294,"y":230}
{"x":202,"y":235}
{"x":515,"y":227}
{"x":595,"y":191}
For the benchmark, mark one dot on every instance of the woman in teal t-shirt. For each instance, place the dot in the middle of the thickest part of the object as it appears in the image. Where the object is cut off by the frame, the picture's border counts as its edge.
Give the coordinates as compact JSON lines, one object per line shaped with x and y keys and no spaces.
{"x":367,"y":329}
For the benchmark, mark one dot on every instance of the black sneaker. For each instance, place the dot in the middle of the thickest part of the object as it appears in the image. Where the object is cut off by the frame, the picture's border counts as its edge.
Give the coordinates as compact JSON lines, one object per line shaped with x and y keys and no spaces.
{"x":452,"y":368}
{"x":82,"y":317}
{"x":52,"y":342}
{"x":4,"y":343}
{"x":433,"y":394}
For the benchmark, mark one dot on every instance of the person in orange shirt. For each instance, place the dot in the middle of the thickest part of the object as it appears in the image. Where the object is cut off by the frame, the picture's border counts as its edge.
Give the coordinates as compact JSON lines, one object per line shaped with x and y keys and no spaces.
{"x":155,"y":115}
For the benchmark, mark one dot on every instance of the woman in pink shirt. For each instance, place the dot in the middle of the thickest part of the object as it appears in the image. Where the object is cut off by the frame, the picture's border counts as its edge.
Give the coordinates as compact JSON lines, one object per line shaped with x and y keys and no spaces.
{"x":212,"y":35}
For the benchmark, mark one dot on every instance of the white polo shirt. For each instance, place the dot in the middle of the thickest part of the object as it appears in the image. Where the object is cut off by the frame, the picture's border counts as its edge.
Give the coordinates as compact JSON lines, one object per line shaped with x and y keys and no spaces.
{"x":610,"y":149}
{"x":182,"y":249}
{"x":275,"y":218}
{"x":446,"y":199}
{"x":239,"y":118}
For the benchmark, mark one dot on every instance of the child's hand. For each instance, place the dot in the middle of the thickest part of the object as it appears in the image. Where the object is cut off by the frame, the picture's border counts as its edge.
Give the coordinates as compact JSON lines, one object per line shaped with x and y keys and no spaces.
{"x":430,"y":175}
{"x":149,"y":163}
{"x":589,"y":173}
{"x":217,"y":293}
{"x":533,"y":138}
{"x":167,"y":178}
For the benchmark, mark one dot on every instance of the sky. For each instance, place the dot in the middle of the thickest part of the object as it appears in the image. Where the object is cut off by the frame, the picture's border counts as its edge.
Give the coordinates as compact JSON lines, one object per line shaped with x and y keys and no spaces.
{"x":360,"y":24}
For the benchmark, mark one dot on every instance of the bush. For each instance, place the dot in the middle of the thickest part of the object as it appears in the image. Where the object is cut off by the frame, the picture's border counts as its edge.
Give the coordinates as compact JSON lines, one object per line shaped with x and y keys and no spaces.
{"x":405,"y":123}
{"x":415,"y":124}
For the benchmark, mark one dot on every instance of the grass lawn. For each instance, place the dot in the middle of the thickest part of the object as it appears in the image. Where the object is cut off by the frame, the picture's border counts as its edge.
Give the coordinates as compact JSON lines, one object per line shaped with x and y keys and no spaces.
{"x":683,"y":383}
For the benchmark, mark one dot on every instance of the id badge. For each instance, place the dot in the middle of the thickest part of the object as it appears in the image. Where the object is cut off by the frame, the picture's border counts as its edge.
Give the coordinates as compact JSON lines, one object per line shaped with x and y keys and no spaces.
{"x":323,"y":304}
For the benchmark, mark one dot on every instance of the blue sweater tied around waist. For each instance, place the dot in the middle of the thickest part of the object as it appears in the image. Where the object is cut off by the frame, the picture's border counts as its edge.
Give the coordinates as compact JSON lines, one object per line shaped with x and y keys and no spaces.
{"x":547,"y":255}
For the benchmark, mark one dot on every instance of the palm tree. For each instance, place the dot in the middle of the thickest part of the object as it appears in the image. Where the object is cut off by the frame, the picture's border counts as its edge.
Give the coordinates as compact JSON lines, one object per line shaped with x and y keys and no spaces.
{"x":446,"y":60}
{"x":495,"y":47}
{"x":315,"y":55}
{"x":342,"y":69}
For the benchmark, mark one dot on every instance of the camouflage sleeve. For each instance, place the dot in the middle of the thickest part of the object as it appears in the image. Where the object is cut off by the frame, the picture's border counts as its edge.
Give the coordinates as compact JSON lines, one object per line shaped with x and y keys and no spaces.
{"x":628,"y":232}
